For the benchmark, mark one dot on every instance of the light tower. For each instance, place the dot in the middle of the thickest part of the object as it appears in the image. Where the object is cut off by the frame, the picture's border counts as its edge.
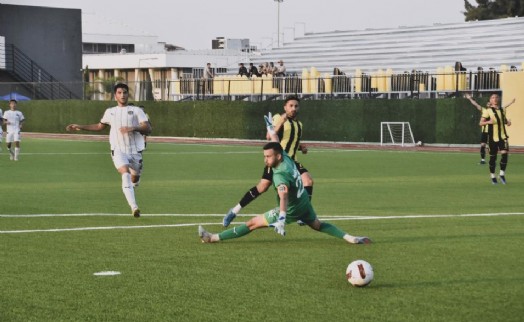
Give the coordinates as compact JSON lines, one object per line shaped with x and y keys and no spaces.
{"x":278,"y":21}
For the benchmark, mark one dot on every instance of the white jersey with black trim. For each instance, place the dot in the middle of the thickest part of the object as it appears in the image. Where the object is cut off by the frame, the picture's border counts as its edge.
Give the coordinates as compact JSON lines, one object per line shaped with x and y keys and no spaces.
{"x":14,"y":118}
{"x":122,"y":116}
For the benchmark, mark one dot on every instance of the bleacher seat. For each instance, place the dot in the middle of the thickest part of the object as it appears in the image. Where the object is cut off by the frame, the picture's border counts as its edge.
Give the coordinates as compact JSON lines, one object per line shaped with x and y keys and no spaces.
{"x":424,"y":48}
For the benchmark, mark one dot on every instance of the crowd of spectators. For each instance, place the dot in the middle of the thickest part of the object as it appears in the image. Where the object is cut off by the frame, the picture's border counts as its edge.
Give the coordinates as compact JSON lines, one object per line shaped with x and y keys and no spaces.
{"x":267,"y":69}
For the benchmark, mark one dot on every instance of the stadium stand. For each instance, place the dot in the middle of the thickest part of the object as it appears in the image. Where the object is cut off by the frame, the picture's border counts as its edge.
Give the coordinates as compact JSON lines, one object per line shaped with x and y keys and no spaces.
{"x":484,"y":44}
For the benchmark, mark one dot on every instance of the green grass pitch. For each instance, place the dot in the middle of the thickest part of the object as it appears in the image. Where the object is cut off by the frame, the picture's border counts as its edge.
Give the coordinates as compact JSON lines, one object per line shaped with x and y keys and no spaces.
{"x":63,"y":218}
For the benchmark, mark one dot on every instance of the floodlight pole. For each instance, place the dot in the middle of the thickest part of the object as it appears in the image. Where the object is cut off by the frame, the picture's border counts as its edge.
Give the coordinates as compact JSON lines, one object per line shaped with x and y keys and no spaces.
{"x":278,"y":21}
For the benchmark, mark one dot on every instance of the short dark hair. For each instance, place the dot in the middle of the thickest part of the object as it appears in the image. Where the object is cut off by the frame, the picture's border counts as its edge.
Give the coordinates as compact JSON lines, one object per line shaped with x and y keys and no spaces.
{"x":120,"y":85}
{"x":291,"y":98}
{"x":275,"y":146}
{"x":13,"y":100}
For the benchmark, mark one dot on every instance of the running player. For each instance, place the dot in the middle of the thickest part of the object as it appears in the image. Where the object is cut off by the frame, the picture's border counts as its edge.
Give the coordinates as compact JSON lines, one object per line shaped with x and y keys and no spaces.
{"x":14,"y":120}
{"x":128,"y":125}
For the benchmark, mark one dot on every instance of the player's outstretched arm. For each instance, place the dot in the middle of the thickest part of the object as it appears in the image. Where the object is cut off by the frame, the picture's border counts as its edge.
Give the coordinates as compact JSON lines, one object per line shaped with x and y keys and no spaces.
{"x":88,"y":127}
{"x":509,"y":104}
{"x":270,"y":128}
{"x":473,"y":102}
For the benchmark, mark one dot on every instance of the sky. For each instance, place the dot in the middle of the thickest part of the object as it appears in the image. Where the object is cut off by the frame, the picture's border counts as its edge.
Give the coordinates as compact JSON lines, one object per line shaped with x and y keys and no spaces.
{"x":192,"y":24}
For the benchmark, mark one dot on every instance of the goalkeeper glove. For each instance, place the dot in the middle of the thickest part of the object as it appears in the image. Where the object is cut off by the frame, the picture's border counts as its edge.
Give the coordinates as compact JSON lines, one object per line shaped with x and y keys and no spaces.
{"x":280,"y":224}
{"x":269,"y":123}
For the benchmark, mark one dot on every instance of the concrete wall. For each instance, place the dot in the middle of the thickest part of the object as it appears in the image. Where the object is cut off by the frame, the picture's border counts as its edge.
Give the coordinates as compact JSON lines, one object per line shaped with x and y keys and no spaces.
{"x":512,"y":84}
{"x":52,"y":37}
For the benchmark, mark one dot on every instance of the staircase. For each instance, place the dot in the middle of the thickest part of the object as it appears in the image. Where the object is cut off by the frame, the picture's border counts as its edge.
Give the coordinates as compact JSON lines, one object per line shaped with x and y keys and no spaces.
{"x":32,"y":76}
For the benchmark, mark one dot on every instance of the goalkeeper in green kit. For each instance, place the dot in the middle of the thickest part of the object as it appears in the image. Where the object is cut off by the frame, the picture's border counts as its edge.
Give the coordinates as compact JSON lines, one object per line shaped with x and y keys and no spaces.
{"x":293,"y":200}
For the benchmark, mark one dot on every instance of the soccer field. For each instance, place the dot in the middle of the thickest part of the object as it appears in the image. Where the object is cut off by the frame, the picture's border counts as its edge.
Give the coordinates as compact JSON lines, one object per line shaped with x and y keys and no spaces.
{"x":447,"y":243}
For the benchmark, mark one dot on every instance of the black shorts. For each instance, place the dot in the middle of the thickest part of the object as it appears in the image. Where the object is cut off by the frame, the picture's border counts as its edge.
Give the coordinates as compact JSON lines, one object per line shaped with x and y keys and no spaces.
{"x":484,"y":137}
{"x":494,"y":147}
{"x":268,"y":172}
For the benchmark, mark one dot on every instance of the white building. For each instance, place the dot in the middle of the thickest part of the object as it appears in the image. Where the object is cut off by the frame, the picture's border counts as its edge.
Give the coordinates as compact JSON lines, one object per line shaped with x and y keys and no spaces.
{"x":147,"y":65}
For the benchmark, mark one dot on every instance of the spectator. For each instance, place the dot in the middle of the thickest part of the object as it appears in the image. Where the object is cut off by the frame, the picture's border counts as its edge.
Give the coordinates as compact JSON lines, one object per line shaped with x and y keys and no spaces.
{"x":253,"y":71}
{"x":208,"y":79}
{"x":242,"y":70}
{"x":267,"y":69}
{"x":281,"y":69}
{"x":272,"y":68}
{"x":261,"y":70}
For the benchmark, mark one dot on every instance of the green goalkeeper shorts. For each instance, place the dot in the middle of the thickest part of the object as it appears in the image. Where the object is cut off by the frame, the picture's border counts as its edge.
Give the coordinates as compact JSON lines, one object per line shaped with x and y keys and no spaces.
{"x":306,"y":214}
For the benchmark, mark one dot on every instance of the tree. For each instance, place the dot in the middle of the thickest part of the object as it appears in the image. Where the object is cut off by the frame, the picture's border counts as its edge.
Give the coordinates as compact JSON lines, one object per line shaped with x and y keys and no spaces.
{"x":493,"y":9}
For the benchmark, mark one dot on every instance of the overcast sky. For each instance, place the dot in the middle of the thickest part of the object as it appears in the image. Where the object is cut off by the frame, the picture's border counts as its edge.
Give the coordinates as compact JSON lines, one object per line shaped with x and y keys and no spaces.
{"x":194,"y":23}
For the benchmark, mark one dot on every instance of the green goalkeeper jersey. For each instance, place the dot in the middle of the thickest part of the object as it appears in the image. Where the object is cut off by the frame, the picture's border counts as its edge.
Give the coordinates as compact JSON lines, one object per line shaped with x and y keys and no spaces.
{"x":286,"y":173}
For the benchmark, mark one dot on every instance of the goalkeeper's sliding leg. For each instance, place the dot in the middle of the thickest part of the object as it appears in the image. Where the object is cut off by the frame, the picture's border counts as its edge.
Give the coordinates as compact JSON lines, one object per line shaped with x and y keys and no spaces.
{"x":332,"y":230}
{"x":235,"y":232}
{"x":269,"y":219}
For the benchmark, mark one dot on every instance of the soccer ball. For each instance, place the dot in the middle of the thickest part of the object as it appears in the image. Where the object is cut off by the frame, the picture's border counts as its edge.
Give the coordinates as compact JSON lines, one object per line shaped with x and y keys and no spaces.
{"x":419,"y":143}
{"x":359,"y":273}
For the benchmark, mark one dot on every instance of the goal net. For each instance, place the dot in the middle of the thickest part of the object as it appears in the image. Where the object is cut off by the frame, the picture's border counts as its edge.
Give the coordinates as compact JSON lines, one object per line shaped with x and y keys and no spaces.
{"x":396,"y":133}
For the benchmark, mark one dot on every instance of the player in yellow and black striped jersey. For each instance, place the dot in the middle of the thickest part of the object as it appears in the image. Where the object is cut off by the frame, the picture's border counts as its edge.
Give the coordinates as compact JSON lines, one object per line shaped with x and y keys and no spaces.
{"x":484,"y":129}
{"x":495,"y":118}
{"x":289,"y":131}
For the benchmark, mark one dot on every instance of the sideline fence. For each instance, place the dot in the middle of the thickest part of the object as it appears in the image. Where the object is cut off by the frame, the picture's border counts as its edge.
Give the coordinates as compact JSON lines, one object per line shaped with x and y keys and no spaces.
{"x":231,"y":87}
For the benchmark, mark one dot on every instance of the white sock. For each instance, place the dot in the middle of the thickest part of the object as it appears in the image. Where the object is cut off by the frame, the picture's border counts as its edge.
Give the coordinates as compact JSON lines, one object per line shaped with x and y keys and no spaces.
{"x":129,"y":191}
{"x":502,"y":173}
{"x":492,"y":175}
{"x":17,"y":152}
{"x":237,"y":208}
{"x":350,"y":239}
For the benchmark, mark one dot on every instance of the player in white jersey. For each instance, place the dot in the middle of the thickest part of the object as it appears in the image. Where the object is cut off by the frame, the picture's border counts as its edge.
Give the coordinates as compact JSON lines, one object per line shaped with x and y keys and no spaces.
{"x":128,"y":125}
{"x":13,"y":119}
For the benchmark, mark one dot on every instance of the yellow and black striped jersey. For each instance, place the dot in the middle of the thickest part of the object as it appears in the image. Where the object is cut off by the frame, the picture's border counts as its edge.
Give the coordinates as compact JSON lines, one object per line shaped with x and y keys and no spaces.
{"x":484,"y":127}
{"x":289,"y":134}
{"x":497,"y":130}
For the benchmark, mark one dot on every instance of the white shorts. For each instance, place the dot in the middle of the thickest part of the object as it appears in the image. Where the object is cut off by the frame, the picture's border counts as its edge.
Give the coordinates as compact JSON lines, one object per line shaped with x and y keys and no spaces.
{"x":12,"y":136}
{"x":133,"y":161}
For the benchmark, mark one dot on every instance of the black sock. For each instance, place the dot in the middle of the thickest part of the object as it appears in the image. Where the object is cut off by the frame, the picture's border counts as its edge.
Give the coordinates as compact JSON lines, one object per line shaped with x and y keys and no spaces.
{"x":503,"y":161}
{"x":492,"y":163}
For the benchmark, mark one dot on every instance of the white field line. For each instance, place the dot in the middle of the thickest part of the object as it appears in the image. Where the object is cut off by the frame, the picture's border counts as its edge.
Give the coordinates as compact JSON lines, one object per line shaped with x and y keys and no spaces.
{"x":332,"y":218}
{"x":154,"y":153}
{"x":311,"y":150}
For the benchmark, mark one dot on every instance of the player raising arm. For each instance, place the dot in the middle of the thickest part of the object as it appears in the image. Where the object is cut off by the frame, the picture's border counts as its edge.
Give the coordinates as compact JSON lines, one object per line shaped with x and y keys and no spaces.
{"x":484,"y":129}
{"x":293,"y":205}
{"x":494,"y":117}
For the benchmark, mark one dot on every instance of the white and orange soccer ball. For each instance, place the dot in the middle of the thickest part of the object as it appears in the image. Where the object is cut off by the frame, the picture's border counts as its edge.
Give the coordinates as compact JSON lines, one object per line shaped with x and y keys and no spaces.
{"x":359,"y":273}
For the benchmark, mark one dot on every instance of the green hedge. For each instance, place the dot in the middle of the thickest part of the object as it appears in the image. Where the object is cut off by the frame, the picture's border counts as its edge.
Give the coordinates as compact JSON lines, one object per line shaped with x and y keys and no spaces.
{"x":452,"y":121}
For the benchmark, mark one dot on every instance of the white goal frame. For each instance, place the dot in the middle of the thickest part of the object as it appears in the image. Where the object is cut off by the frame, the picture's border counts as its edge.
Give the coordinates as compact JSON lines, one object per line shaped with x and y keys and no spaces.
{"x":396,"y":133}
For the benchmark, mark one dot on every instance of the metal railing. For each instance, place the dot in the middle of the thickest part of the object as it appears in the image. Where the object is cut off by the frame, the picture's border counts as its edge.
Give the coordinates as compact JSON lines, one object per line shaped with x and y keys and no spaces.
{"x":231,"y":87}
{"x":409,"y":84}
{"x":40,"y":83}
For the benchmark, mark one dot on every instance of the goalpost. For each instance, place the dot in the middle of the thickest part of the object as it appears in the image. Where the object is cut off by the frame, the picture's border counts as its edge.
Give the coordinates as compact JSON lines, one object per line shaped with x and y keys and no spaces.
{"x":396,"y":133}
